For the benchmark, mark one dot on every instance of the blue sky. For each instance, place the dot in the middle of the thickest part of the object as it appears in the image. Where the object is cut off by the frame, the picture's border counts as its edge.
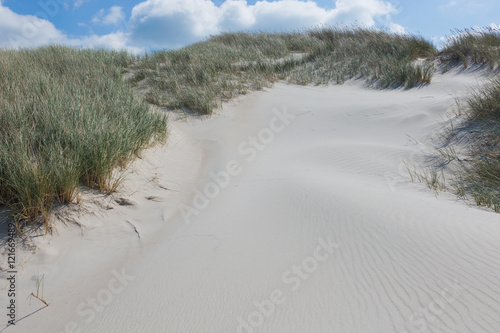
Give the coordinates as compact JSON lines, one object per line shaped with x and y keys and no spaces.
{"x":138,"y":25}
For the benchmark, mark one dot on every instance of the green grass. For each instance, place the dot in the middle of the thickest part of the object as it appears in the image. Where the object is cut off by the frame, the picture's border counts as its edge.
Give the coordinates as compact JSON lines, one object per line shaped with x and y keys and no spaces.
{"x":478,"y":132}
{"x":384,"y":60}
{"x":67,"y":118}
{"x":479,"y":177}
{"x":473,"y":46}
{"x":201,"y":76}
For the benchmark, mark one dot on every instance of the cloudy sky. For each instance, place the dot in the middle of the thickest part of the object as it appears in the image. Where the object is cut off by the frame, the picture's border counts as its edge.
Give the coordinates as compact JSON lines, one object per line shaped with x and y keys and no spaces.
{"x":152,"y":24}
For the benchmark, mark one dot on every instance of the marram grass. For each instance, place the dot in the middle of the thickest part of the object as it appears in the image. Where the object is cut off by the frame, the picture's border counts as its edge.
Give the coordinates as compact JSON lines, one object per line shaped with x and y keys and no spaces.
{"x":473,"y":46}
{"x":201,"y":76}
{"x":478,"y":133}
{"x":479,"y":176}
{"x":66,"y":118}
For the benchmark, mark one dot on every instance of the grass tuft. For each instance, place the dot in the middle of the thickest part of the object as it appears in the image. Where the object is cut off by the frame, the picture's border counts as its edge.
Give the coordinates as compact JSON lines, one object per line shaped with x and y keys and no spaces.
{"x":67,"y":118}
{"x":472,"y":147}
{"x":480,"y":177}
{"x":473,"y":46}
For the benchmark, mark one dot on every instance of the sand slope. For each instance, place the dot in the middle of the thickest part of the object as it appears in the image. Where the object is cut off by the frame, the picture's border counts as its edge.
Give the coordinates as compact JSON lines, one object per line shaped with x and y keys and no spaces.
{"x":312,"y":226}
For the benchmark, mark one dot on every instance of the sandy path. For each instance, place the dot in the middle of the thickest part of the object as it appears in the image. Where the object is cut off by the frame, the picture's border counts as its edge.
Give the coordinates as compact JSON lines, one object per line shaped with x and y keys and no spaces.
{"x":316,"y":230}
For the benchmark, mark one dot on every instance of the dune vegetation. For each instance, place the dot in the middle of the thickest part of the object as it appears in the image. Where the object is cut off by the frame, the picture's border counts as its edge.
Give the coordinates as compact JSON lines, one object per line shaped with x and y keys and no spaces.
{"x":479,"y":176}
{"x":472,"y":46}
{"x":201,"y":76}
{"x":472,"y":145}
{"x":478,"y":132}
{"x":69,"y":117}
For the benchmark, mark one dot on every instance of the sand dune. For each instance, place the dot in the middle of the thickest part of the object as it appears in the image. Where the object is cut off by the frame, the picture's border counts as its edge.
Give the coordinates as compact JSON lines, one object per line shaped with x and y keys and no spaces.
{"x":288,"y":211}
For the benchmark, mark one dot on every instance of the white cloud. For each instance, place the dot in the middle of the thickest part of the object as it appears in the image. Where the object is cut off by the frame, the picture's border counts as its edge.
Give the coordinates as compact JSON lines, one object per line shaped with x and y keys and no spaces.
{"x":174,"y":23}
{"x":116,"y":41}
{"x":26,"y":30}
{"x":78,"y":3}
{"x":29,"y":31}
{"x":397,"y":29}
{"x":113,"y":16}
{"x":282,"y":15}
{"x":365,"y":12}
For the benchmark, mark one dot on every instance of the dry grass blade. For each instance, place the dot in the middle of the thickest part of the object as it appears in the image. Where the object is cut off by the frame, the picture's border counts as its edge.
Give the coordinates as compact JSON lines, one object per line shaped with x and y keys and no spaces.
{"x":39,"y":283}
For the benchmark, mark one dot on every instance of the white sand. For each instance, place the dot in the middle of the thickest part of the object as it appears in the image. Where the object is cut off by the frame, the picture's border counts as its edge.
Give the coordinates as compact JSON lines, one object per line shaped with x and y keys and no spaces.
{"x":322,"y":231}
